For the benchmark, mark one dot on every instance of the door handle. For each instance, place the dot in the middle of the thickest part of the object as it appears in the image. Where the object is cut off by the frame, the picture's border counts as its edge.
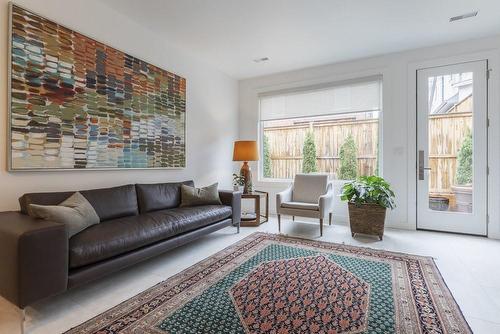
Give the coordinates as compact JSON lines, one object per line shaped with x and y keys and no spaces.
{"x":421,"y":167}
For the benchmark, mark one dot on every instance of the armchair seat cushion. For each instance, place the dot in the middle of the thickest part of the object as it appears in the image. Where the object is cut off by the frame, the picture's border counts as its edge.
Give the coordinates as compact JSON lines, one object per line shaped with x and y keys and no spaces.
{"x":300,"y":206}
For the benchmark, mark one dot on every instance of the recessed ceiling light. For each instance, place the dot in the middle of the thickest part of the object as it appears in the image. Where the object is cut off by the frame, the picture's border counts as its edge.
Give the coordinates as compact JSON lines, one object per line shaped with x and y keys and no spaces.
{"x":260,"y":60}
{"x":463,"y":16}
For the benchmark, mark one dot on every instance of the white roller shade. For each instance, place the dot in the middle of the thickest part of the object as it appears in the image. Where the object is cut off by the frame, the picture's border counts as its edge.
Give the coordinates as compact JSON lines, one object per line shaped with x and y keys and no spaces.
{"x":352,"y":97}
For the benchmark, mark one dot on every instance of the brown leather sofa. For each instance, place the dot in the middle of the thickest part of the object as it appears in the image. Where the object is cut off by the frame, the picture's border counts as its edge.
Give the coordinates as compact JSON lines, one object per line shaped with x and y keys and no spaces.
{"x":137,"y":222}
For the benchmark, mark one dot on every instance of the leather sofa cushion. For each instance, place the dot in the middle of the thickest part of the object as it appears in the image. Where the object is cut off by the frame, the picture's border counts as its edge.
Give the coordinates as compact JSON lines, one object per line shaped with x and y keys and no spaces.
{"x":160,"y":196}
{"x":118,"y":236}
{"x":109,"y":203}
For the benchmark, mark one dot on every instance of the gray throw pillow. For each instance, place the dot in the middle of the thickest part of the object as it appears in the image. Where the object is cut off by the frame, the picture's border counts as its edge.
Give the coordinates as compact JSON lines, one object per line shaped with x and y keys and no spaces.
{"x":191,"y":196}
{"x":75,"y":212}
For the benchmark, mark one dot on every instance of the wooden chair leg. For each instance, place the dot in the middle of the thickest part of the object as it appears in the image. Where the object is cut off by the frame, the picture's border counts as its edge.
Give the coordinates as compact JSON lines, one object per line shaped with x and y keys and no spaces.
{"x":321,"y":227}
{"x":279,"y":223}
{"x":22,"y":313}
{"x":330,"y":218}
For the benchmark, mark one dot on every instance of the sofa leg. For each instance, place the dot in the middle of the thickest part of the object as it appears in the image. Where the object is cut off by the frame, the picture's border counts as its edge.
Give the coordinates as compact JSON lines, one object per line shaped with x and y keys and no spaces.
{"x":330,"y":218}
{"x":279,"y":223}
{"x":321,"y":227}
{"x":22,"y":313}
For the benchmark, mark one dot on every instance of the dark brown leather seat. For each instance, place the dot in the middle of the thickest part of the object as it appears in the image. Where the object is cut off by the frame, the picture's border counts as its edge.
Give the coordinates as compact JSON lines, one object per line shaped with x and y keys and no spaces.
{"x":115,"y":237}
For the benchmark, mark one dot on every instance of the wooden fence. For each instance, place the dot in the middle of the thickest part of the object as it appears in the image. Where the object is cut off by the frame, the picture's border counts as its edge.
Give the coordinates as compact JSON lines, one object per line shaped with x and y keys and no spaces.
{"x":446,"y":133}
{"x":285,"y":145}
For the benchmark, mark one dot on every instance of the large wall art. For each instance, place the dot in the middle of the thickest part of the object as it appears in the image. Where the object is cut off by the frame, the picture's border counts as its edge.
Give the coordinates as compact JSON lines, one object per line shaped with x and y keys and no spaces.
{"x":76,"y":103}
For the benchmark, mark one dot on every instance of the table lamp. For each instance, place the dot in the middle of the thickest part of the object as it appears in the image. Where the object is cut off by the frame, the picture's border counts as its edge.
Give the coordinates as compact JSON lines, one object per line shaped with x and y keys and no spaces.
{"x":246,"y":150}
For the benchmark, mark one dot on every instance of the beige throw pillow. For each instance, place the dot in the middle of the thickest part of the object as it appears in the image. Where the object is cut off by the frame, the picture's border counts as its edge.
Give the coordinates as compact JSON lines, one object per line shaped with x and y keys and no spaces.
{"x":191,"y":196}
{"x":75,"y":212}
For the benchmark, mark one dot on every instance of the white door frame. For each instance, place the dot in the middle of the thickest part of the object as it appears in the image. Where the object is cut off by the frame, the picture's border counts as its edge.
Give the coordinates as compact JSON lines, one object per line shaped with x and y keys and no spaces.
{"x":474,"y":222}
{"x":493,"y":57}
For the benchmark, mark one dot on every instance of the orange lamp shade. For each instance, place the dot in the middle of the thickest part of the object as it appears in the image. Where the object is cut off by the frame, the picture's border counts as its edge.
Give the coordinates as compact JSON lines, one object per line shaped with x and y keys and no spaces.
{"x":245,"y":150}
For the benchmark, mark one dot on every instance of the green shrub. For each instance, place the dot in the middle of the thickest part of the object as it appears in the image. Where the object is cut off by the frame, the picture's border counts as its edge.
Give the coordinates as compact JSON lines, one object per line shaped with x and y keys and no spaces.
{"x":267,"y":158}
{"x":369,"y":190}
{"x":348,"y":169}
{"x":309,"y":154}
{"x":464,"y":160}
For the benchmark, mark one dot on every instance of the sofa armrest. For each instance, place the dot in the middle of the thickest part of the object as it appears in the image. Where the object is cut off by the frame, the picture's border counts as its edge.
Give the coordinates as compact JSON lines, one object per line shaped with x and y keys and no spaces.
{"x":284,"y":196}
{"x":33,"y":258}
{"x":233,"y":199}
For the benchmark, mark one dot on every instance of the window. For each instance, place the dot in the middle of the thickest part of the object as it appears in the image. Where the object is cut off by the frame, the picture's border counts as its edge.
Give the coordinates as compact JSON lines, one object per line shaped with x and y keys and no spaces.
{"x":331,"y":129}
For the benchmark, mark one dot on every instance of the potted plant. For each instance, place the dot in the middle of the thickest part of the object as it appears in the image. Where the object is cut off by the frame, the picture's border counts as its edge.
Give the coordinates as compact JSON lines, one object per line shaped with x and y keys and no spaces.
{"x":462,"y":189}
{"x":238,"y":182}
{"x":438,"y":203}
{"x":368,"y":198}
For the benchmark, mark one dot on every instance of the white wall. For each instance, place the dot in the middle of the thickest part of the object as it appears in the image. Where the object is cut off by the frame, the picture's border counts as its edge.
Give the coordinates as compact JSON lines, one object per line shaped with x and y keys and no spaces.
{"x":398,"y":142}
{"x":212,"y":120}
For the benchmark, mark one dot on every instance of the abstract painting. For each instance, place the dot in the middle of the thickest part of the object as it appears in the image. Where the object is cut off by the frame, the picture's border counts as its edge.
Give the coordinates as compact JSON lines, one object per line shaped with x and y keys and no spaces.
{"x":76,"y":103}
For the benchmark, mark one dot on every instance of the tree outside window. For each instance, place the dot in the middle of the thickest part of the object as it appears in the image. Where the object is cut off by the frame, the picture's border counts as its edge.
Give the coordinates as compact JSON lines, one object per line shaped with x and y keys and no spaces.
{"x":348,"y":169}
{"x":268,"y":171}
{"x":309,"y":164}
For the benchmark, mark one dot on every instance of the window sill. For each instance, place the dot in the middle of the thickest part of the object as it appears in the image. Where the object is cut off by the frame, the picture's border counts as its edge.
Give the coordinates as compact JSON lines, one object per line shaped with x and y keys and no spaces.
{"x":274,"y":183}
{"x":281,"y":182}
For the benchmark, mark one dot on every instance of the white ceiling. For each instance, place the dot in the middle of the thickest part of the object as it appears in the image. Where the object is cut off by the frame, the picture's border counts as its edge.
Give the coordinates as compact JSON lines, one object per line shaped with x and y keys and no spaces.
{"x":294,"y":34}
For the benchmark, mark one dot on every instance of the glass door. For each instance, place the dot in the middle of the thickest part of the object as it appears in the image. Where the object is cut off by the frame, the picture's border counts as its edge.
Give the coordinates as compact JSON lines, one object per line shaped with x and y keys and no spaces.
{"x":452,"y":148}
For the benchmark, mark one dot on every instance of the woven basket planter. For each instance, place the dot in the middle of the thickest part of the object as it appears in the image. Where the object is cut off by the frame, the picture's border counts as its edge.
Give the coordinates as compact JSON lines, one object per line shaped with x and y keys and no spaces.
{"x":367,"y":219}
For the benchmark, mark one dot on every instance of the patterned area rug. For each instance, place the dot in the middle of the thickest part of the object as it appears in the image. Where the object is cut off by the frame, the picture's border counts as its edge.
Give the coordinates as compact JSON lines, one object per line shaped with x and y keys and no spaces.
{"x":269,"y":283}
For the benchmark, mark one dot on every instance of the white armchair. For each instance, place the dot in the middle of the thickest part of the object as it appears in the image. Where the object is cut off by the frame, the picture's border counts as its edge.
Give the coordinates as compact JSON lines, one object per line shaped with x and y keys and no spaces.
{"x":310,"y":195}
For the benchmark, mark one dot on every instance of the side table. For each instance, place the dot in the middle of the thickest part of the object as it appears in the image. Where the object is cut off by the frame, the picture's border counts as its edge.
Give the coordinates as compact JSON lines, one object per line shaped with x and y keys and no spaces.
{"x":256,"y":218}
